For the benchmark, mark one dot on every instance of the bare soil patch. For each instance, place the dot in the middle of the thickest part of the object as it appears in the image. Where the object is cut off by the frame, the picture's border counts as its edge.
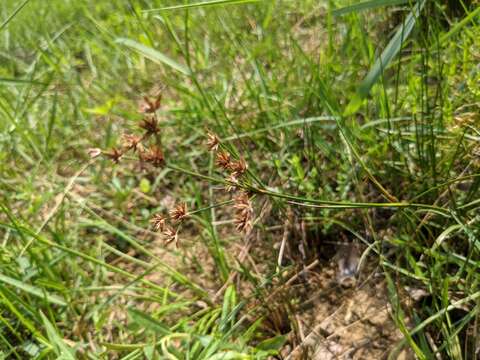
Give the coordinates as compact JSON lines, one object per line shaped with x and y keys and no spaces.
{"x":345,"y":318}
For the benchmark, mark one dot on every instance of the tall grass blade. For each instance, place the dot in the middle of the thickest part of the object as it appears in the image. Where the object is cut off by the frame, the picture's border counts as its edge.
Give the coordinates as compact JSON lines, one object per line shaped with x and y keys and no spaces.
{"x":385,"y":59}
{"x":19,"y":81}
{"x":460,"y":25}
{"x":147,"y":322}
{"x":367,"y":5}
{"x":61,"y":349}
{"x":203,"y":4}
{"x":53,"y":299}
{"x":15,"y":12}
{"x":154,"y":55}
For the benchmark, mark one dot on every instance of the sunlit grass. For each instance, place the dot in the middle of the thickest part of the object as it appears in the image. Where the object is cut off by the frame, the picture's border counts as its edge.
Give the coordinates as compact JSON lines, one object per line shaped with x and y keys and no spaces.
{"x":357,"y":118}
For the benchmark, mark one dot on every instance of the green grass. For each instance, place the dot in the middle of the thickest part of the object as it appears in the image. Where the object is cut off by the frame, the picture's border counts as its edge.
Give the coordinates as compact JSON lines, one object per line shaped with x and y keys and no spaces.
{"x":349,"y":119}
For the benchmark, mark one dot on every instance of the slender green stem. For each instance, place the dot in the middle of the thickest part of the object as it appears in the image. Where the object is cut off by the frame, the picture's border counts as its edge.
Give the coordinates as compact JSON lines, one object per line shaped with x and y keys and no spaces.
{"x":220,"y":204}
{"x":302,"y":201}
{"x":192,"y":173}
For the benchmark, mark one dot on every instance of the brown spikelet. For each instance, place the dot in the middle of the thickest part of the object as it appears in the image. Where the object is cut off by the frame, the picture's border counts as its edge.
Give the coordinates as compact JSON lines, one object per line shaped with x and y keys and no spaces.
{"x":132,"y":142}
{"x":114,"y":155}
{"x":94,"y":152}
{"x":179,"y":212}
{"x":158,"y":222}
{"x":238,"y":167}
{"x":213,"y":141}
{"x":232,"y":183}
{"x":171,"y":235}
{"x":223,"y":160}
{"x":154,"y":156}
{"x":149,"y":106}
{"x":150,"y":125}
{"x":244,"y":213}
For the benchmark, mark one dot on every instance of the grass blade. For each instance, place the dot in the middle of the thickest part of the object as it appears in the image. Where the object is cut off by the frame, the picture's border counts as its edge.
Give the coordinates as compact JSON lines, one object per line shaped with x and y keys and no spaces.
{"x":62,"y":349}
{"x":148,"y":322}
{"x":386,"y":58}
{"x":460,"y":25}
{"x":19,"y":81}
{"x":203,"y":4}
{"x":15,"y":12}
{"x":154,"y":55}
{"x":53,"y":299}
{"x":367,"y":5}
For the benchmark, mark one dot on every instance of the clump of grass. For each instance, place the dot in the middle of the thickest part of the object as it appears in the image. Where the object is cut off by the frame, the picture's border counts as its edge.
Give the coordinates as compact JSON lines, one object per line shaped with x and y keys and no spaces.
{"x":315,"y":115}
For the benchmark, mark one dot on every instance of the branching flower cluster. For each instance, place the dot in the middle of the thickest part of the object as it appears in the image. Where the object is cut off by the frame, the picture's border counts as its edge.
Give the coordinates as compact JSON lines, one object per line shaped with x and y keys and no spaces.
{"x":234,"y":170}
{"x":175,"y":217}
{"x":134,"y":143}
{"x":167,"y":225}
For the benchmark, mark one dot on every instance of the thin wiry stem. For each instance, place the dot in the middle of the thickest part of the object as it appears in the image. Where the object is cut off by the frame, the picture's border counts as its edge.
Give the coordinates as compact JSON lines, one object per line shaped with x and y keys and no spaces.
{"x":327,"y":204}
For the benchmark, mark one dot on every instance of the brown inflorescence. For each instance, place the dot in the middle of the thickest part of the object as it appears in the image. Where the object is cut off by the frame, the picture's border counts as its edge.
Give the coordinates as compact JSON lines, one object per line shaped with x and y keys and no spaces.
{"x":244,"y":213}
{"x":154,"y":156}
{"x":132,"y":142}
{"x":171,"y":235}
{"x":223,"y":160}
{"x":150,"y":125}
{"x":213,"y":141}
{"x":115,"y":155}
{"x":232,"y":183}
{"x":94,"y":152}
{"x":238,"y":167}
{"x":179,"y":212}
{"x":158,"y":222}
{"x":149,"y":106}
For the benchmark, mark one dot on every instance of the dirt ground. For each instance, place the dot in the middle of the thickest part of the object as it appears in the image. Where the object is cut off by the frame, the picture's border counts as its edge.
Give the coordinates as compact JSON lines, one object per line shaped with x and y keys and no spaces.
{"x":345,"y":319}
{"x":340,"y":314}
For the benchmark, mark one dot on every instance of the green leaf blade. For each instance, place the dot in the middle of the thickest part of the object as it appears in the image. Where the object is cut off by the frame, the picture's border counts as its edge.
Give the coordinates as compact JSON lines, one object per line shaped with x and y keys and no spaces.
{"x":388,"y":54}
{"x":203,"y":4}
{"x":33,"y":290}
{"x":367,"y":5}
{"x":154,"y":55}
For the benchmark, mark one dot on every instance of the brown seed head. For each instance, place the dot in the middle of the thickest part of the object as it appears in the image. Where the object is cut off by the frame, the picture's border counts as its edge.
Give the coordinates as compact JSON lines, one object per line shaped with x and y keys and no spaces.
{"x":114,"y":155}
{"x":232,"y":183}
{"x":150,"y":105}
{"x":223,"y":160}
{"x":150,"y":125}
{"x":132,"y":142}
{"x":171,"y":235}
{"x":94,"y":152}
{"x":179,"y":212}
{"x":244,"y":213}
{"x":213,"y":141}
{"x":158,"y":222}
{"x":238,"y":167}
{"x":154,"y":156}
